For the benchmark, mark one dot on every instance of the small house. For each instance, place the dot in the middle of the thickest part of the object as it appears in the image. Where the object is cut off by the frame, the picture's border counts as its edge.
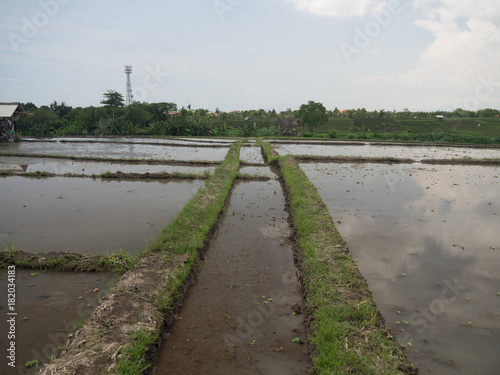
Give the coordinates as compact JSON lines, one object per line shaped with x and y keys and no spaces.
{"x":440,"y":117}
{"x":288,"y":126}
{"x":9,"y":115}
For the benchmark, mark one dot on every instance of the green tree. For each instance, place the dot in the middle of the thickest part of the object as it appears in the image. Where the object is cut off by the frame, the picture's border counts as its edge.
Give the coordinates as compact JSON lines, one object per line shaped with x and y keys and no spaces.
{"x":61,"y":109}
{"x":313,"y":114}
{"x":138,"y":115}
{"x":113,"y":99}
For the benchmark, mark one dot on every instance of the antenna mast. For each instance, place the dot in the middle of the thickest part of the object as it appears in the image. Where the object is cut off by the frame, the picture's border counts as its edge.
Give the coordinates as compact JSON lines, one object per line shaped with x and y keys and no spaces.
{"x":129,"y":97}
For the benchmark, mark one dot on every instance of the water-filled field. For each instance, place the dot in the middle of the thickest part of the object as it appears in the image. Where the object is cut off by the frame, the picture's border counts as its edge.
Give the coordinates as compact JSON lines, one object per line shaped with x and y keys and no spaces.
{"x":427,"y":240}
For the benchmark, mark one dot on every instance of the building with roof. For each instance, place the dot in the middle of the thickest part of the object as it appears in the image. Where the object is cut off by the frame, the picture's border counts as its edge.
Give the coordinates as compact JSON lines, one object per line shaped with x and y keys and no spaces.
{"x":10,"y":113}
{"x":288,"y":126}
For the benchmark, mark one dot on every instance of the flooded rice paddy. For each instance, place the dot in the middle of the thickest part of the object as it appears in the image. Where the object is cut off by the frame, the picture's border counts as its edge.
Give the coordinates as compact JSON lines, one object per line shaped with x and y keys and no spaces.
{"x":243,"y":313}
{"x":66,"y":166}
{"x":179,"y":141}
{"x":251,"y":154}
{"x":416,"y":153}
{"x":130,"y":150}
{"x":48,"y":306}
{"x":427,"y":240}
{"x":258,"y":171}
{"x":87,"y":216}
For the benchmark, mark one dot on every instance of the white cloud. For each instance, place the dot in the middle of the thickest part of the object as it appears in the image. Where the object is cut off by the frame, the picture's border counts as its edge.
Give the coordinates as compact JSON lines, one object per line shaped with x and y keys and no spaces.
{"x":453,"y":66}
{"x":334,"y":8}
{"x":460,"y":67}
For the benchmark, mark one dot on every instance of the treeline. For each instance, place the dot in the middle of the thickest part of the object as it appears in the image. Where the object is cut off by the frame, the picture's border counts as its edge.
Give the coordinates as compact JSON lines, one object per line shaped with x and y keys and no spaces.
{"x":113,"y":118}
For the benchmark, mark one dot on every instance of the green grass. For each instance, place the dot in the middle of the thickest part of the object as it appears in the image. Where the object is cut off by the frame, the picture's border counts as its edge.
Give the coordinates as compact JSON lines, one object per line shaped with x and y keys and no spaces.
{"x":348,"y":334}
{"x":132,"y":359}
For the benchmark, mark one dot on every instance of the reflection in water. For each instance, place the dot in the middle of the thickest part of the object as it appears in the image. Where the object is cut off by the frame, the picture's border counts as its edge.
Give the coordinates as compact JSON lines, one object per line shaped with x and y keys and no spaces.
{"x":427,"y":240}
{"x":63,"y":166}
{"x":87,"y":216}
{"x":118,"y":150}
{"x":368,"y":150}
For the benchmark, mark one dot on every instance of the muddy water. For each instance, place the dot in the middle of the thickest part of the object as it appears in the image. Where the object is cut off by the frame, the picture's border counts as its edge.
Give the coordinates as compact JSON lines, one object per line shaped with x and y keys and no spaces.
{"x":258,"y":171}
{"x":47,"y":305}
{"x":61,"y":166}
{"x":117,"y":151}
{"x":251,"y":155}
{"x":415,"y":153}
{"x":87,"y":216}
{"x":238,"y":316}
{"x":427,"y":239}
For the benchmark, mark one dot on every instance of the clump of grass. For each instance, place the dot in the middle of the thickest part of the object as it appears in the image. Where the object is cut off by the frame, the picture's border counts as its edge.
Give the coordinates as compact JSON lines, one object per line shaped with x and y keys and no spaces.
{"x":131,"y":359}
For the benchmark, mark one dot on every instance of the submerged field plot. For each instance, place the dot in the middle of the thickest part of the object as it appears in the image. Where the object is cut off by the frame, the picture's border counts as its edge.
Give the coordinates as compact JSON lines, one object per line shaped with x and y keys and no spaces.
{"x":413,"y":152}
{"x":426,"y":239}
{"x":130,"y":149}
{"x":51,"y":306}
{"x":87,"y":216}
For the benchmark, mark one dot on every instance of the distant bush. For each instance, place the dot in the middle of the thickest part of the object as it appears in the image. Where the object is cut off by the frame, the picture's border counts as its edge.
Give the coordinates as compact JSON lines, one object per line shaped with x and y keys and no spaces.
{"x":333,"y":134}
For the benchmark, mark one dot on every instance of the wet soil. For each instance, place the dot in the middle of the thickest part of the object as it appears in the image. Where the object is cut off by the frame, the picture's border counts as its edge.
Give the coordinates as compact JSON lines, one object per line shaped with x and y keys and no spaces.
{"x":87,"y":216}
{"x":47,"y":304}
{"x":243,"y":314}
{"x":426,"y":239}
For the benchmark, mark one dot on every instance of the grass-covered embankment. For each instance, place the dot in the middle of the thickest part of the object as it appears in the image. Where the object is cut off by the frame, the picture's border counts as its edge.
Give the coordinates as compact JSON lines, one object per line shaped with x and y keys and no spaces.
{"x":122,"y":335}
{"x":347,"y":332}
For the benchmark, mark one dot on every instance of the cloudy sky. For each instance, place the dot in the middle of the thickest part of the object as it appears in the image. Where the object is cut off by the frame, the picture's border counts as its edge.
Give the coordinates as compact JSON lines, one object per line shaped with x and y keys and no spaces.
{"x":250,"y":54}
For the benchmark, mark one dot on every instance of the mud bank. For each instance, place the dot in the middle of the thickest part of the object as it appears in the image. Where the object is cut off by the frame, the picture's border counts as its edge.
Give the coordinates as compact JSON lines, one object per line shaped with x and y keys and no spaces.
{"x":244,"y":313}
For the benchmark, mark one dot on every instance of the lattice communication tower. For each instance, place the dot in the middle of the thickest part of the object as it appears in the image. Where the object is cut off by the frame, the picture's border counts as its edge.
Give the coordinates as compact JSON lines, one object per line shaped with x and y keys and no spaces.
{"x":129,"y":97}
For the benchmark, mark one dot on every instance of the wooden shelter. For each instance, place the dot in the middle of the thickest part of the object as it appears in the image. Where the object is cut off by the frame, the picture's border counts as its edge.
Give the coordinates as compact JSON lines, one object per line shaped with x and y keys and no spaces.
{"x":9,"y":114}
{"x":288,"y":126}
